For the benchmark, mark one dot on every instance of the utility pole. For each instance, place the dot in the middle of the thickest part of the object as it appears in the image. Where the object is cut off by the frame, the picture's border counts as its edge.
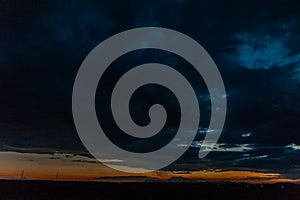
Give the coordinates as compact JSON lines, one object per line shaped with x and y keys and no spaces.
{"x":22,"y":175}
{"x":56,"y":176}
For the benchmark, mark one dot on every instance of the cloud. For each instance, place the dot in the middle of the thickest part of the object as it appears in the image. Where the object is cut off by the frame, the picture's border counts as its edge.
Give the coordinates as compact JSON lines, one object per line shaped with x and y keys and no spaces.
{"x":88,"y":24}
{"x":150,"y":14}
{"x":247,"y":134}
{"x":265,"y":50}
{"x":207,"y":98}
{"x":247,"y":157}
{"x":223,"y":147}
{"x":205,"y":130}
{"x":293,"y":146}
{"x":295,"y":74}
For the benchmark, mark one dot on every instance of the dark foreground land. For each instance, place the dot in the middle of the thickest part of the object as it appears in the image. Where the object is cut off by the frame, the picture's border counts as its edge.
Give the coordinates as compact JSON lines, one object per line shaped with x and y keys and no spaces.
{"x":99,"y":190}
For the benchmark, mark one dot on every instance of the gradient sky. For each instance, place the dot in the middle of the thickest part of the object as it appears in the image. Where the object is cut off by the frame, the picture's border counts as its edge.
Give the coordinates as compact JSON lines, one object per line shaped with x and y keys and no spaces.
{"x":255,"y":46}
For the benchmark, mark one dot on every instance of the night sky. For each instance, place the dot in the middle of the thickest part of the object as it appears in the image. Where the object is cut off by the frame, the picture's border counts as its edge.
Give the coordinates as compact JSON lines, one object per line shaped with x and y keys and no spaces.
{"x":256,"y":47}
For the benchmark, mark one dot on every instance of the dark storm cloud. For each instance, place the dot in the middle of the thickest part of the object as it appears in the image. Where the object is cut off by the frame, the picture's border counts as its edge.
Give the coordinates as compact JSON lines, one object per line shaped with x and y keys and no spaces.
{"x":42,"y":52}
{"x":255,"y":46}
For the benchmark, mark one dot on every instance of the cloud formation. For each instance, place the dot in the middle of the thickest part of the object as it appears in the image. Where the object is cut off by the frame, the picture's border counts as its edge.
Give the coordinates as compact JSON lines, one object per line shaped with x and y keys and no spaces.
{"x":264,"y":49}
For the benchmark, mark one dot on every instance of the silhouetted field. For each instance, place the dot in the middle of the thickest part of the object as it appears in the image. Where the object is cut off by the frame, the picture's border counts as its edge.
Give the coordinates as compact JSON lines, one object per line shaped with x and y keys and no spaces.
{"x":10,"y":189}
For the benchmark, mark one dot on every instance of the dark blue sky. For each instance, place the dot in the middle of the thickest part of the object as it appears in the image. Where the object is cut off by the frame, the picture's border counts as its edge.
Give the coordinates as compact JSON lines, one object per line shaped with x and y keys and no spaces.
{"x":255,"y":46}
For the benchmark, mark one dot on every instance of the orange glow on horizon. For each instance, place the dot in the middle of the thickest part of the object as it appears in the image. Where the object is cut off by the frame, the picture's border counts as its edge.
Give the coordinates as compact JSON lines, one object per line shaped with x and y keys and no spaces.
{"x":62,"y":167}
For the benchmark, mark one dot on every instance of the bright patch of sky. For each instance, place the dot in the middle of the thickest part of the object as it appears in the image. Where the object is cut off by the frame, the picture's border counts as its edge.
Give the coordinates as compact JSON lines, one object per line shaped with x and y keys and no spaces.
{"x":263,"y":51}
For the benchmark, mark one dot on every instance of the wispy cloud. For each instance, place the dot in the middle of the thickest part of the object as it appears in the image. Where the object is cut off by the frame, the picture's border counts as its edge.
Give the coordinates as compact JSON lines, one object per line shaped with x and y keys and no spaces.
{"x":247,"y":134}
{"x":293,"y":146}
{"x":247,"y":157}
{"x":223,"y":147}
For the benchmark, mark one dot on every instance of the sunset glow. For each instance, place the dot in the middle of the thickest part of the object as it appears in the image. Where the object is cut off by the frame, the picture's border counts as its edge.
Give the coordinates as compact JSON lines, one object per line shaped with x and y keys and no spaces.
{"x":68,"y":167}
